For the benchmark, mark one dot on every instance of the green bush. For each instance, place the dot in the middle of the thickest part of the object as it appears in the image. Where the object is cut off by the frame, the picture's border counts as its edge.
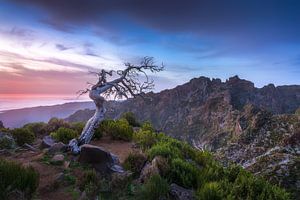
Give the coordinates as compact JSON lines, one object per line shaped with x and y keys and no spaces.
{"x":16,"y":178}
{"x":103,"y":128}
{"x":165,"y":150}
{"x":145,"y":139}
{"x":89,"y":177}
{"x":210,"y":191}
{"x":147,"y":126}
{"x":247,"y":186}
{"x":155,"y":188}
{"x":119,"y":130}
{"x":77,"y":126}
{"x":54,"y":124}
{"x":38,"y":128}
{"x":7,"y":142}
{"x":135,"y":162}
{"x":129,"y":116}
{"x":184,"y":173}
{"x":64,"y":135}
{"x":22,"y":136}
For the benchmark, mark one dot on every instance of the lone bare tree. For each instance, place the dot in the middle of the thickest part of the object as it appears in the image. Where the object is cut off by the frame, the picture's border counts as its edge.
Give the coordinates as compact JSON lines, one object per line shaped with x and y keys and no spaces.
{"x":131,"y":82}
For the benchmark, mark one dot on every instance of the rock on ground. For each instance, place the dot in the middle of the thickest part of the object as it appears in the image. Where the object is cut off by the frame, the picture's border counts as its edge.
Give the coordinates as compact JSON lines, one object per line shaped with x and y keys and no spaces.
{"x":100,"y":159}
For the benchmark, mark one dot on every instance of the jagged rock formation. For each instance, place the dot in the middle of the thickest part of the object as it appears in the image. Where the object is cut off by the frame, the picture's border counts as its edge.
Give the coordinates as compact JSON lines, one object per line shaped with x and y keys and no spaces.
{"x":197,"y":109}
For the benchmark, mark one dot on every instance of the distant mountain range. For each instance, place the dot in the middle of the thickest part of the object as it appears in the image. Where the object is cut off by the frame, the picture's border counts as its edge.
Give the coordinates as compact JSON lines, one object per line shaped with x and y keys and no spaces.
{"x":19,"y":117}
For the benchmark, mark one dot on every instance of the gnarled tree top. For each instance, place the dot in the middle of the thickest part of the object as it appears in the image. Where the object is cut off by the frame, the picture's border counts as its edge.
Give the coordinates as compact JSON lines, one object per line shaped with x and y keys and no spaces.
{"x":131,"y":82}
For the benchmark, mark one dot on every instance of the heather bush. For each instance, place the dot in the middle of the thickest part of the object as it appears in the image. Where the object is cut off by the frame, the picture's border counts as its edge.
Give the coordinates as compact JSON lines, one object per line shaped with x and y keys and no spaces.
{"x":16,"y":178}
{"x":64,"y":134}
{"x":22,"y":136}
{"x":184,"y":173}
{"x":77,"y":126}
{"x":155,"y":188}
{"x":89,"y":177}
{"x":145,"y":139}
{"x":119,"y":130}
{"x":129,"y":116}
{"x":147,"y":126}
{"x":165,"y":150}
{"x":54,"y":124}
{"x":135,"y":162}
{"x":38,"y":128}
{"x":210,"y":191}
{"x":6,"y":141}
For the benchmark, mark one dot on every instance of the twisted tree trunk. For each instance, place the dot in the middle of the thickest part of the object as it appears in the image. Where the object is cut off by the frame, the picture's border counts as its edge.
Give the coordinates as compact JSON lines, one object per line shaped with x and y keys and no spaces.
{"x":89,"y":129}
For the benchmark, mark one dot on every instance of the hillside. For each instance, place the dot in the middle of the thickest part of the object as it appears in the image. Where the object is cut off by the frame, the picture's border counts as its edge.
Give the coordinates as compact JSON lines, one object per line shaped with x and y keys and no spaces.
{"x":254,"y":127}
{"x":122,"y":162}
{"x":19,"y":117}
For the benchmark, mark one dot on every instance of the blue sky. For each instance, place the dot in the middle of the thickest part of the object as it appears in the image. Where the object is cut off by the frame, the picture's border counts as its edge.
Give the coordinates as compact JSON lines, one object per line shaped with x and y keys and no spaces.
{"x":49,"y":46}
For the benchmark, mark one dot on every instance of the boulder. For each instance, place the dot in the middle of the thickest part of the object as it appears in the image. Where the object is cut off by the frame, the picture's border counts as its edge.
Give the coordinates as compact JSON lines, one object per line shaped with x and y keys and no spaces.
{"x":150,"y":169}
{"x":180,"y":193}
{"x":47,"y":142}
{"x":100,"y":159}
{"x":57,"y":147}
{"x":59,"y":158}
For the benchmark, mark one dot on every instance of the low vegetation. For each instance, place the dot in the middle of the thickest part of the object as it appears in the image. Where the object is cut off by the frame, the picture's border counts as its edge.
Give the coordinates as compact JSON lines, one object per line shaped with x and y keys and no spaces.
{"x":16,"y":179}
{"x":177,"y":162}
{"x":64,"y":134}
{"x":23,"y":135}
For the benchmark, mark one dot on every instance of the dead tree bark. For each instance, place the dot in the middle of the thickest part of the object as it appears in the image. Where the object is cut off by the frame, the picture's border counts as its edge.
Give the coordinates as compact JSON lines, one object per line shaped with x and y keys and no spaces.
{"x":127,"y":84}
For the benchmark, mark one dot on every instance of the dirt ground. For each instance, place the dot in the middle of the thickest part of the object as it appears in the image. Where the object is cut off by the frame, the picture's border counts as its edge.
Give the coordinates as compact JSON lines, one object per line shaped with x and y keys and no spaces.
{"x":49,"y":173}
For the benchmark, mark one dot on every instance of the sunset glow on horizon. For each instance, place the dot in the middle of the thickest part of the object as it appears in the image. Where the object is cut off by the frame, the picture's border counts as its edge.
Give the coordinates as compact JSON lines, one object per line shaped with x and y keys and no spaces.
{"x":47,"y":48}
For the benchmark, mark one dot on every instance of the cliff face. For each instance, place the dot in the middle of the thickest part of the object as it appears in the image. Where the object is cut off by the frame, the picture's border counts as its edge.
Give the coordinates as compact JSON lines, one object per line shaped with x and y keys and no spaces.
{"x":202,"y":108}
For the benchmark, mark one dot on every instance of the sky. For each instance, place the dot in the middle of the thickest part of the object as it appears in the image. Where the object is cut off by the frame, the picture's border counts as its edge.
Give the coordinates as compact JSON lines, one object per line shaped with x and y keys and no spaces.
{"x":47,"y":47}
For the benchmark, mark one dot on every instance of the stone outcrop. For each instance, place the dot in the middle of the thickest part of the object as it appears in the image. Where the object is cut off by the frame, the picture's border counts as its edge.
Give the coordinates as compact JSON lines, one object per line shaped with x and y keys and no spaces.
{"x":100,"y":159}
{"x":47,"y":142}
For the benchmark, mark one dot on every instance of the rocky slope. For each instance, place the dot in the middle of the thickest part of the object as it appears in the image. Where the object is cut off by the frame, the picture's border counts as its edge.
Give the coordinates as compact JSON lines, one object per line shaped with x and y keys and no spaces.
{"x":254,"y":127}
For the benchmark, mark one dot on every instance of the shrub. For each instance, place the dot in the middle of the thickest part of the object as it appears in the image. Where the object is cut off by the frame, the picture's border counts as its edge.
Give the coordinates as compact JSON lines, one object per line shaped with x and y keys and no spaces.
{"x":147,"y":126}
{"x":135,"y":162}
{"x":129,"y":116}
{"x":16,"y":178}
{"x":22,"y":136}
{"x":165,"y":150}
{"x":89,"y":177}
{"x":38,"y":128}
{"x":184,"y":173}
{"x":7,"y":142}
{"x":103,"y":128}
{"x":119,"y":130}
{"x":54,"y":124}
{"x":64,"y":135}
{"x":247,"y":186}
{"x":145,"y":139}
{"x":211,"y":173}
{"x":203,"y":158}
{"x":210,"y":191}
{"x":155,"y":188}
{"x":77,"y":126}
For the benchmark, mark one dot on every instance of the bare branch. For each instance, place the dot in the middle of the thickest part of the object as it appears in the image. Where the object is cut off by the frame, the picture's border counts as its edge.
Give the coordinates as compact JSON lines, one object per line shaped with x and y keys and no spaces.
{"x":131,"y":82}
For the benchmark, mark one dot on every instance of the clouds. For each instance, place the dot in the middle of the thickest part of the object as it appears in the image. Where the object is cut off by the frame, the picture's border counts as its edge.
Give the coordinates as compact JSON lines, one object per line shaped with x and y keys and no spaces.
{"x":62,"y":47}
{"x":261,"y":20}
{"x":196,"y":37}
